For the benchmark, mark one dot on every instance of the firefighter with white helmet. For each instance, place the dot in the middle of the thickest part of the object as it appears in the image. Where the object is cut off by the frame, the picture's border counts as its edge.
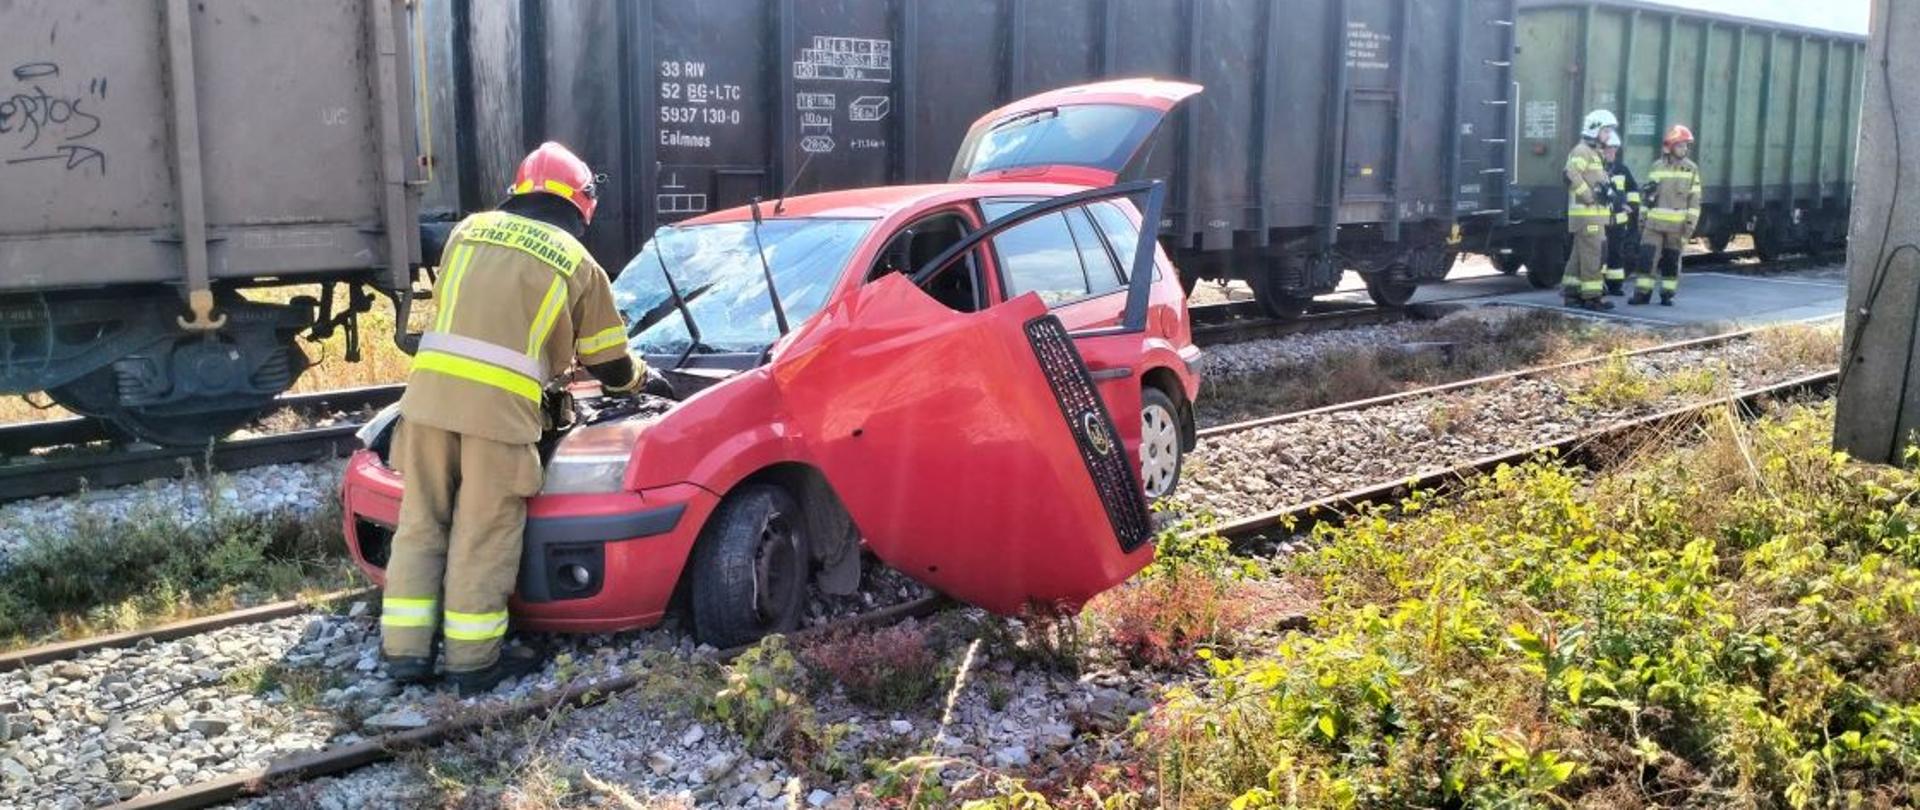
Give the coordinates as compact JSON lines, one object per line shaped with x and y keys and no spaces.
{"x":518,"y":300}
{"x":1673,"y":199}
{"x":1589,"y":211}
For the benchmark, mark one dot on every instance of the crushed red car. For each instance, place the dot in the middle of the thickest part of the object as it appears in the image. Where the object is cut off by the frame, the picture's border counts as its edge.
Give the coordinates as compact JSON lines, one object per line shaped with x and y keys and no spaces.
{"x":982,"y":382}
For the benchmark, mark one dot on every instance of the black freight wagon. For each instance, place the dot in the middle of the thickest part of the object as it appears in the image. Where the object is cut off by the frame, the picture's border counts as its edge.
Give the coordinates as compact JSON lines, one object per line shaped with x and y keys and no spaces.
{"x":1370,"y":135}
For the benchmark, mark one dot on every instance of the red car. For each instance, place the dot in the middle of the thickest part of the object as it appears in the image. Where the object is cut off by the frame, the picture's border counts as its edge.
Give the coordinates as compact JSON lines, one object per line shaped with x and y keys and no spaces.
{"x":936,"y":373}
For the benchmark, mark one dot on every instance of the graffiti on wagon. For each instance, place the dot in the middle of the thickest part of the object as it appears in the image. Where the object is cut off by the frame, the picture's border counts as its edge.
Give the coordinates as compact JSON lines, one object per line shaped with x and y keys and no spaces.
{"x":45,"y":119}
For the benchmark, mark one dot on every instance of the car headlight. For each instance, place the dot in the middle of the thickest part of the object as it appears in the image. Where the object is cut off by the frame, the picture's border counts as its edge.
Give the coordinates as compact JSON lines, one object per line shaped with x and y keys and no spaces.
{"x":369,"y":434}
{"x":593,"y":458}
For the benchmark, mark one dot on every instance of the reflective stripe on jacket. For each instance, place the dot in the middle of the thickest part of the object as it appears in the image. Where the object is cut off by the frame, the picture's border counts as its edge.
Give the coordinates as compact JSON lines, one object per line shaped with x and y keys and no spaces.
{"x":1675,"y":207}
{"x":1586,"y":171}
{"x":517,"y":301}
{"x":1626,"y":193}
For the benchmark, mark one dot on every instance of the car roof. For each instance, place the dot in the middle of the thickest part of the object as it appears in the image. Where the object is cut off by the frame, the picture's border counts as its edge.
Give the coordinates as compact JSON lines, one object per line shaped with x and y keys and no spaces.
{"x":876,"y":202}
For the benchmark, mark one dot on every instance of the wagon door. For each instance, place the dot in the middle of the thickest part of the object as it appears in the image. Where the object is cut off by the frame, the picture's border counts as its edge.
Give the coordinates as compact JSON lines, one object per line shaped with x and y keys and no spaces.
{"x":971,"y":449}
{"x":1084,"y":134}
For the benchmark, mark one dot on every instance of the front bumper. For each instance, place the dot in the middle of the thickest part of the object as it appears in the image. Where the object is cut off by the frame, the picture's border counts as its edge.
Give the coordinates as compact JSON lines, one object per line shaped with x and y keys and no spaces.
{"x":589,"y":563}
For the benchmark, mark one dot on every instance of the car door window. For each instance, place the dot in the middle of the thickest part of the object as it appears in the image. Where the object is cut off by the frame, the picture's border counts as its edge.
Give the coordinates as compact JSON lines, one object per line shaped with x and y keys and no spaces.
{"x":958,"y":286}
{"x":1039,"y":256}
{"x":1101,"y":275}
{"x":1122,"y":236}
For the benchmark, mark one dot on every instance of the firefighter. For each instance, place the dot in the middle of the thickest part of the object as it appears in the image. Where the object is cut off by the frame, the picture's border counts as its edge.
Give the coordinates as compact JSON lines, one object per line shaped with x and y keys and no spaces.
{"x":1623,"y":238}
{"x":1589,"y":210}
{"x":1673,"y":197}
{"x":519,"y":299}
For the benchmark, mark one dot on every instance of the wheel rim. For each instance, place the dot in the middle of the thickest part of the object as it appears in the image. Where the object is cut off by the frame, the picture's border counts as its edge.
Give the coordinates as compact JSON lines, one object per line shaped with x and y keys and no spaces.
{"x":1159,"y":450}
{"x":773,"y":559}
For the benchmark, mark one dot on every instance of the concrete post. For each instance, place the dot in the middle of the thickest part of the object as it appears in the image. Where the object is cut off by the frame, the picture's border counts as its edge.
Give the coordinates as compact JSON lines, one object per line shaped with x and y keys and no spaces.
{"x":1879,"y":397}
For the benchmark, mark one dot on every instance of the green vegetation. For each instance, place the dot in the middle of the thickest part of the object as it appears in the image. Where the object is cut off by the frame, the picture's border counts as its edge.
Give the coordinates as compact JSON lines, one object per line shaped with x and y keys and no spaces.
{"x":1612,"y":384}
{"x":1732,"y":624}
{"x":157,"y":566}
{"x":300,"y":687}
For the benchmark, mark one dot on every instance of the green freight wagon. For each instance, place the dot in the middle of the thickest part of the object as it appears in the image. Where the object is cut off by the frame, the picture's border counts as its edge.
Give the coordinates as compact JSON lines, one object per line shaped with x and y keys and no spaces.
{"x":1774,"y":110}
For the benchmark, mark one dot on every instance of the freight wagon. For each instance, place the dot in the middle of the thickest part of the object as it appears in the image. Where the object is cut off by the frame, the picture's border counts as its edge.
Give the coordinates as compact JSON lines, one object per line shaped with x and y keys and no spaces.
{"x":1366,"y":135}
{"x":1773,"y":108}
{"x":157,"y":158}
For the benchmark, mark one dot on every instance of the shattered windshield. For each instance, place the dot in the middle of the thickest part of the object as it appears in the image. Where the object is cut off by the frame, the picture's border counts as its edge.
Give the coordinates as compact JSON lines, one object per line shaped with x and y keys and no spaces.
{"x":717,"y":270}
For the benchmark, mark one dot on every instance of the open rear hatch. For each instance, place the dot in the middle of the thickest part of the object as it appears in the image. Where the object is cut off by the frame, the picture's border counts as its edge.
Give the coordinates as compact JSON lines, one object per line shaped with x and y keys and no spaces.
{"x":1086,"y":134}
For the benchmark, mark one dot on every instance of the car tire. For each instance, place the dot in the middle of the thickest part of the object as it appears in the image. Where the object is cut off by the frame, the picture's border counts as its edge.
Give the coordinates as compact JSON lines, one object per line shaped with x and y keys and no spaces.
{"x":1161,"y":449}
{"x":750,"y":567}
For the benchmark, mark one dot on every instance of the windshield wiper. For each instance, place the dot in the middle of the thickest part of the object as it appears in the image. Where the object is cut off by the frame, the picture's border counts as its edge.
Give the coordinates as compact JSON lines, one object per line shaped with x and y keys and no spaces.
{"x":1026,"y":116}
{"x":693,"y":327}
{"x":773,"y":294}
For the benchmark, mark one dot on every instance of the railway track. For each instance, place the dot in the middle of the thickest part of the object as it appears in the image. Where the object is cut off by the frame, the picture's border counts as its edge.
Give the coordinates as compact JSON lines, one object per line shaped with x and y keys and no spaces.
{"x":1585,"y":446}
{"x":27,"y":475}
{"x":343,"y":758}
{"x":1240,"y":321}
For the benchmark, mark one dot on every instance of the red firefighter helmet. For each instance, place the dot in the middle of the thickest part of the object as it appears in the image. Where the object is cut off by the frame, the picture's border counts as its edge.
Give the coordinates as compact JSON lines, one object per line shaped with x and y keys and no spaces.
{"x":1678,"y":133}
{"x":555,"y":169}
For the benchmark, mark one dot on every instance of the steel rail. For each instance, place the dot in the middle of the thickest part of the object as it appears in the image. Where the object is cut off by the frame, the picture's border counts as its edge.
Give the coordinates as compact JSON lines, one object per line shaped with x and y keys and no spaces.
{"x":21,"y":438}
{"x":60,"y":475}
{"x":1241,"y":330}
{"x":307,"y":766}
{"x":60,"y":651}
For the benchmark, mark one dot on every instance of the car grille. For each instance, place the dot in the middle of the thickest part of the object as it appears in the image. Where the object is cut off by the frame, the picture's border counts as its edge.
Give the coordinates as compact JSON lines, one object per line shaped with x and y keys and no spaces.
{"x":1114,"y":478}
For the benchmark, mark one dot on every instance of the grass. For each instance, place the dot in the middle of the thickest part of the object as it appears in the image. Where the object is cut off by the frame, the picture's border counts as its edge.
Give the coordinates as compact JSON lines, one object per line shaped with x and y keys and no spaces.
{"x":1473,"y":348}
{"x":1792,"y":346}
{"x":1612,"y":384}
{"x":156,"y":567}
{"x":1732,"y":623}
{"x":301,"y":687}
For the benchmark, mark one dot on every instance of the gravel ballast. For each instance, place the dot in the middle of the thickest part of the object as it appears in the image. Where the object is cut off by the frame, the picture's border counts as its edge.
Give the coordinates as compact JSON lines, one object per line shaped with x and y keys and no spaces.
{"x":114,"y":723}
{"x":295,"y":489}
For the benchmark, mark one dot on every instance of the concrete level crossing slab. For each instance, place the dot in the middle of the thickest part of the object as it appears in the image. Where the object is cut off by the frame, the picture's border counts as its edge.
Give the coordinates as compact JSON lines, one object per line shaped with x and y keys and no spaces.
{"x":1714,"y":298}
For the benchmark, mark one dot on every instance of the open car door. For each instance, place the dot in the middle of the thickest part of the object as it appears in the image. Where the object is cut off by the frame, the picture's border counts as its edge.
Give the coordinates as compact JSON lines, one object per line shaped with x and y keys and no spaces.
{"x":972,"y":449}
{"x":1084,"y":134}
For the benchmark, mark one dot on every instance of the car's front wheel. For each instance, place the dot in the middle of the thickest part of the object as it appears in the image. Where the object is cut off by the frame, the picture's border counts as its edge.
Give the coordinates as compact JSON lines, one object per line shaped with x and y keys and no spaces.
{"x":750,"y":567}
{"x":1160,"y":446}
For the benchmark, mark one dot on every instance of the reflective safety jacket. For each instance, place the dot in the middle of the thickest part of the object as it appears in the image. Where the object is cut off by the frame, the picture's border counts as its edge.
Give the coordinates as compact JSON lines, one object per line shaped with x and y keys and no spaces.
{"x":1675,"y":206}
{"x":1586,"y":174}
{"x":1626,"y":194}
{"x":518,"y":300}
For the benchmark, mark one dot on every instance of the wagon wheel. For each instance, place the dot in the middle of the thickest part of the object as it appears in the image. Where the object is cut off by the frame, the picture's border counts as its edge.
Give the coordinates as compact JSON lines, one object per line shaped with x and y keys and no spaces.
{"x":1388,"y":291}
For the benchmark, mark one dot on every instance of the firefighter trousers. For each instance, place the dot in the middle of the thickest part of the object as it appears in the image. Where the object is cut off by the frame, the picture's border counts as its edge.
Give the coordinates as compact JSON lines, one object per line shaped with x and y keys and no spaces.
{"x":1583,"y":277}
{"x":456,"y":553}
{"x":1660,"y":250}
{"x":1622,"y":246}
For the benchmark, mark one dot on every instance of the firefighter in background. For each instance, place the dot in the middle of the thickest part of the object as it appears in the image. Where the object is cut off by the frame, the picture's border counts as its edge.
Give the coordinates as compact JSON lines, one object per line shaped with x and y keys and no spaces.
{"x":1589,"y":210}
{"x":519,"y":299}
{"x":1673,"y":199}
{"x":1623,"y":237}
